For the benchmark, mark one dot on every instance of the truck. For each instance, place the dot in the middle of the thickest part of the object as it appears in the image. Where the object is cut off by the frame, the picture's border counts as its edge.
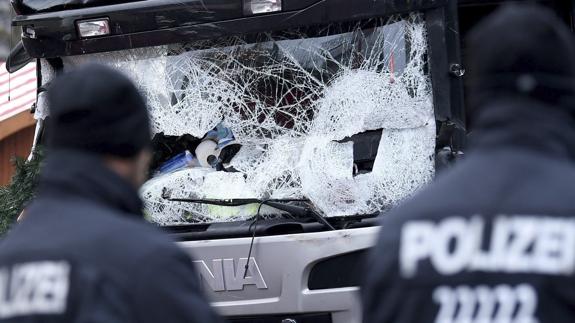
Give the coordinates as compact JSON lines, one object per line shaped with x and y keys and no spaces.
{"x":301,"y":122}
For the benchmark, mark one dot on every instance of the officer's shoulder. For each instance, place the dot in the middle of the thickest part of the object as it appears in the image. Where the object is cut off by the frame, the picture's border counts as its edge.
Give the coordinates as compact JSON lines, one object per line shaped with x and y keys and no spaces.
{"x":444,"y":193}
{"x":128,"y":234}
{"x":480,"y":181}
{"x":140,"y":230}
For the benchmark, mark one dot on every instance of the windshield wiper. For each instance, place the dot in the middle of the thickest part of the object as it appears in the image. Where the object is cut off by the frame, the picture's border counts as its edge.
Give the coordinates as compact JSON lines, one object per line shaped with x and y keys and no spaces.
{"x":280,"y":204}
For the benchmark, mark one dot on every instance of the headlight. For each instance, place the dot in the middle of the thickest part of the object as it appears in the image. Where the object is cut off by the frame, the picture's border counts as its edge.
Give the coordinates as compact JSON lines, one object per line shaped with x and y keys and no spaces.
{"x":254,"y":7}
{"x":29,"y":32}
{"x":93,"y":27}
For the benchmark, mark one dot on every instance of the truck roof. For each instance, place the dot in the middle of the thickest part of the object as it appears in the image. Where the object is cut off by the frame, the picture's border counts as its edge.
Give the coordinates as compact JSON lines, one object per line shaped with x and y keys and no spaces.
{"x":161,"y":22}
{"x":27,"y":7}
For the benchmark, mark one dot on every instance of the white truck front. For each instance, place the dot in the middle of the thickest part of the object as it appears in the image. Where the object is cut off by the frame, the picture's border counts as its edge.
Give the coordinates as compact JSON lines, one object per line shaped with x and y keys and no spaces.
{"x":281,"y":131}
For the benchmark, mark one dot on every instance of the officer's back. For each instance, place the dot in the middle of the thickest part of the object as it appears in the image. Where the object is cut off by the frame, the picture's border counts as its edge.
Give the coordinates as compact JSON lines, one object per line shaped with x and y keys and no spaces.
{"x":83,"y":252}
{"x":494,"y":239}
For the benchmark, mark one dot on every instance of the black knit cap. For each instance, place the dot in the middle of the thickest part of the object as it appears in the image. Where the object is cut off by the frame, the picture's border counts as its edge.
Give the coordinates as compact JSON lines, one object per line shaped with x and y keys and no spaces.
{"x":522,"y":50}
{"x":99,"y":110}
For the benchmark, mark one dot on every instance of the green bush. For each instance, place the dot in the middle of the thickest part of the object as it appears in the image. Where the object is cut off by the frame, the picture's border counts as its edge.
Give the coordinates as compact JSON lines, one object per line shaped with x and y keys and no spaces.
{"x":20,"y":191}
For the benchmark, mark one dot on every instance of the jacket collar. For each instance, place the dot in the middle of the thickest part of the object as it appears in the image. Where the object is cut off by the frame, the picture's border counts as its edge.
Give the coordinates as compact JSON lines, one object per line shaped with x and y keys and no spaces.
{"x":84,"y":175}
{"x":523,"y":123}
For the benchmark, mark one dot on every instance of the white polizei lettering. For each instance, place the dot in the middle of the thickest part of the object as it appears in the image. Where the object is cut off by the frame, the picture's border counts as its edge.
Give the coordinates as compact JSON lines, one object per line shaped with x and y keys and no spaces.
{"x":568,"y":252}
{"x":502,"y":235}
{"x":415,"y":245}
{"x":507,"y":300}
{"x":21,"y":290}
{"x":523,"y":236}
{"x":484,"y":304}
{"x":480,"y":258}
{"x":447,"y":304}
{"x":514,"y":244}
{"x":34,"y":288}
{"x":494,"y":256}
{"x":468,"y":299}
{"x":453,"y":248}
{"x":52,"y":287}
{"x":3,"y":291}
{"x":553,"y":250}
{"x":527,"y":297}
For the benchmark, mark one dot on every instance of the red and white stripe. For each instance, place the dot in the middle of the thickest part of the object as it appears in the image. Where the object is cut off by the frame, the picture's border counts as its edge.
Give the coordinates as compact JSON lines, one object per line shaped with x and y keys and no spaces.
{"x":17,"y":91}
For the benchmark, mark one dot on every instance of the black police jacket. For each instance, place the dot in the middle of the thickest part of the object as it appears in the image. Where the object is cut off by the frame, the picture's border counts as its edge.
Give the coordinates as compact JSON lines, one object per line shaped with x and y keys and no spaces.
{"x":83,"y":253}
{"x":493,"y":240}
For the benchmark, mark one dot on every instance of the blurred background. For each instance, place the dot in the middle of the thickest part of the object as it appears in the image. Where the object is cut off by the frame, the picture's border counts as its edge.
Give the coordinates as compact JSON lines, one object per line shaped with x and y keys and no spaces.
{"x":4,"y":29}
{"x":17,"y":94}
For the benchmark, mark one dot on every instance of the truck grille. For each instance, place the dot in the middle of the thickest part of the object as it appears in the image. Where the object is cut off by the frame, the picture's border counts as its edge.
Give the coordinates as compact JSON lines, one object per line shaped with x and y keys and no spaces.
{"x":339,"y":271}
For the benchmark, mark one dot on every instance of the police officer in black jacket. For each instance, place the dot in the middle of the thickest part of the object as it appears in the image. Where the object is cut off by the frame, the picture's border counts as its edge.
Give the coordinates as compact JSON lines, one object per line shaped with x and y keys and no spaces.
{"x":494,"y":239}
{"x":83,"y":253}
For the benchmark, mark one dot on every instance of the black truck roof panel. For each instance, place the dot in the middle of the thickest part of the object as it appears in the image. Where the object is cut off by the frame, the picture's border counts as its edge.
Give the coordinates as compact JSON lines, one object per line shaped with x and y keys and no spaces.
{"x":159,"y":22}
{"x":27,"y":7}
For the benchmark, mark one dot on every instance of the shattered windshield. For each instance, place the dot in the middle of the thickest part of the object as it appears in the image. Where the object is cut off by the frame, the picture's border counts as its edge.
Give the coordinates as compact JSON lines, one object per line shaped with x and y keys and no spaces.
{"x":282,"y":115}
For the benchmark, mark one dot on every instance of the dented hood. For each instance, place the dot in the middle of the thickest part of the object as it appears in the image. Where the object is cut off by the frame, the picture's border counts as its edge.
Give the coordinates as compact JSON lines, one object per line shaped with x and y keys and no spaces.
{"x":26,"y":7}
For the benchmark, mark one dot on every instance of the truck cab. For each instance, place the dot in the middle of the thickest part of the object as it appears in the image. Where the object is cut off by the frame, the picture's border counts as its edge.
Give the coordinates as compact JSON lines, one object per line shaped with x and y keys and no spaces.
{"x":283,"y":129}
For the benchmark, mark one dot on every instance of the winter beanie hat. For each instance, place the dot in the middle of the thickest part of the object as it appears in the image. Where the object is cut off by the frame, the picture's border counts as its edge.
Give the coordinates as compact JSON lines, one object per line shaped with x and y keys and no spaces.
{"x":99,"y":110}
{"x":522,"y":50}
